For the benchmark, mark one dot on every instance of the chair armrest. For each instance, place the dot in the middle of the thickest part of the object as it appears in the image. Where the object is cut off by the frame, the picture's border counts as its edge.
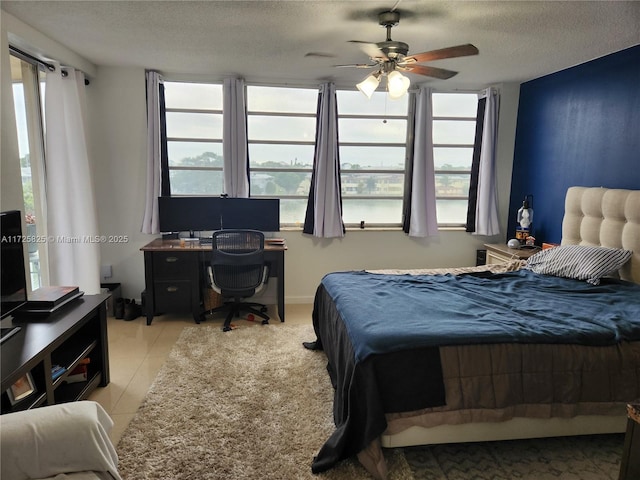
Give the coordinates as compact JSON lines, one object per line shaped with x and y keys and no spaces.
{"x":65,"y":438}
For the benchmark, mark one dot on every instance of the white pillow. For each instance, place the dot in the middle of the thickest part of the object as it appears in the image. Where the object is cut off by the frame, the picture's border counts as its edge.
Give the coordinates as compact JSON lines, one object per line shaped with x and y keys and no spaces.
{"x":580,"y":262}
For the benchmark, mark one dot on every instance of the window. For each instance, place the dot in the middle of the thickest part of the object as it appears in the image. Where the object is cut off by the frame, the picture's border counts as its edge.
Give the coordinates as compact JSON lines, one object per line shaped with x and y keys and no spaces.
{"x":194,"y":138}
{"x":373,"y":138}
{"x":281,"y":125}
{"x":28,"y":98}
{"x":454,"y":126}
{"x":281,"y":135}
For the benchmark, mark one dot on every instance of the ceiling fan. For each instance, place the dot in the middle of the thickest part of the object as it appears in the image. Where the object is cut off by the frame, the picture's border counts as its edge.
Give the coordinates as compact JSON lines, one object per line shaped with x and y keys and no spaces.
{"x":391,"y":57}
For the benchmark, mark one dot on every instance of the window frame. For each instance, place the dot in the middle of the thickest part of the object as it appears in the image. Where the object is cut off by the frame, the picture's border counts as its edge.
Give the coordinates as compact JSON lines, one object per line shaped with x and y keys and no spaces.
{"x":441,"y":171}
{"x":309,"y":143}
{"x":33,"y":97}
{"x":258,"y":169}
{"x":192,"y":140}
{"x":377,"y":171}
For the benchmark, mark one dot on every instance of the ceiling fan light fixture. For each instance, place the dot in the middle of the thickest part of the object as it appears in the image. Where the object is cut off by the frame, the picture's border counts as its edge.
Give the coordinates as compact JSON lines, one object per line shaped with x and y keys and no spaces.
{"x":397,"y":85}
{"x":369,"y":84}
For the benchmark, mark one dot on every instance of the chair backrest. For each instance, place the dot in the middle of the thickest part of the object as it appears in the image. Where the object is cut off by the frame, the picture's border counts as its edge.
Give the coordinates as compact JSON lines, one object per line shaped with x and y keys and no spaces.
{"x":237,"y":261}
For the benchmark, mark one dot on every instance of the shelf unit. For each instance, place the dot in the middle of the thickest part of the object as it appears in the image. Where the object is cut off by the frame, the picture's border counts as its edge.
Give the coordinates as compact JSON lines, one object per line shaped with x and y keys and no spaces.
{"x":64,"y":338}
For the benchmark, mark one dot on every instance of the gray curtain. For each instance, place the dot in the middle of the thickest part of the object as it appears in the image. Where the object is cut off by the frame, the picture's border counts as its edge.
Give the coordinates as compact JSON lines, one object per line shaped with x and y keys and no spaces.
{"x":420,"y":217}
{"x":150,"y":222}
{"x":235,"y":149}
{"x":324,"y":208}
{"x":484,"y":220}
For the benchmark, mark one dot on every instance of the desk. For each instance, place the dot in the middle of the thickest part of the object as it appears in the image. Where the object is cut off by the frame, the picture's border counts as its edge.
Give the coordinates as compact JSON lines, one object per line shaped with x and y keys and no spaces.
{"x":174,"y":276}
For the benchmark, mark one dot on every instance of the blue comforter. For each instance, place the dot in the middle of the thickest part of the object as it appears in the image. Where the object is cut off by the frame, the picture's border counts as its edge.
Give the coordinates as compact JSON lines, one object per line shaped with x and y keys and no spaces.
{"x":387,"y":313}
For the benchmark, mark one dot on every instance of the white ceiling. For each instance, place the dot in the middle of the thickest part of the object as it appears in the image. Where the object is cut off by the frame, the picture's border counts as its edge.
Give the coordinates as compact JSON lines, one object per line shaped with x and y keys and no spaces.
{"x":266,"y":41}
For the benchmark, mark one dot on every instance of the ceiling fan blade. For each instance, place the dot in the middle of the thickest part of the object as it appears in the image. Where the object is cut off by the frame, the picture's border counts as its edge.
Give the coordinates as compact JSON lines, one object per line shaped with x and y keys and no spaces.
{"x":358,"y":65}
{"x":319,"y":54}
{"x":371,"y":49}
{"x":440,"y":73}
{"x":449,"y":52}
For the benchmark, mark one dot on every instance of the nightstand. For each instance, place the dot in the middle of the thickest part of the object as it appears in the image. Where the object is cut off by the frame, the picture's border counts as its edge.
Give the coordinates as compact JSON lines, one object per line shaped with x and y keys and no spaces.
{"x":630,"y":465}
{"x":500,"y":253}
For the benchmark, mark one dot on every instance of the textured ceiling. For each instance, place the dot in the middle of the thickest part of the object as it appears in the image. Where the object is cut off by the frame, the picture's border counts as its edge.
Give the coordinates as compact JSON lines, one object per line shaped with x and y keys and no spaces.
{"x":266,"y":41}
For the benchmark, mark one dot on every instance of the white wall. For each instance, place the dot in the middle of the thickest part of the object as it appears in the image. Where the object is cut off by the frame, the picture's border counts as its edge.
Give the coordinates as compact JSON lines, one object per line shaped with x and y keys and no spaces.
{"x":119,"y":125}
{"x":117,"y":117}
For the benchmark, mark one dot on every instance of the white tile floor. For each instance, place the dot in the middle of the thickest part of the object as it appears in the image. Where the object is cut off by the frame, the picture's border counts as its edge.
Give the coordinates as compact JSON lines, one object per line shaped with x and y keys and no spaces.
{"x":137,"y":351}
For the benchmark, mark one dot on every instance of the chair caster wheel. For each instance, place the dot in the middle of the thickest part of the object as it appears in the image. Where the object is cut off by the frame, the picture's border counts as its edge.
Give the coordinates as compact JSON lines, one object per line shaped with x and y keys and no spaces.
{"x":226,"y":329}
{"x":265,"y":322}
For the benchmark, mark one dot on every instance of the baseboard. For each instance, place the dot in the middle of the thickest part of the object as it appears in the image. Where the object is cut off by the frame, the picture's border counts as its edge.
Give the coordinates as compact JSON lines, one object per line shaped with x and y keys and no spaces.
{"x":298,"y":300}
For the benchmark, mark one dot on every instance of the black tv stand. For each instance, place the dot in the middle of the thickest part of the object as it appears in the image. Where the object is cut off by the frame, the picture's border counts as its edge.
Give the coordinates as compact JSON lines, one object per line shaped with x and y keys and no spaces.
{"x":75,"y":332}
{"x":7,"y":332}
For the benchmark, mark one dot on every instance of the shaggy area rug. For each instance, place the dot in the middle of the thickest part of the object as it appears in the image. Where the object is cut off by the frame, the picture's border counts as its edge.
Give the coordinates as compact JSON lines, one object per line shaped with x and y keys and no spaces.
{"x":254,"y":404}
{"x":247,"y":404}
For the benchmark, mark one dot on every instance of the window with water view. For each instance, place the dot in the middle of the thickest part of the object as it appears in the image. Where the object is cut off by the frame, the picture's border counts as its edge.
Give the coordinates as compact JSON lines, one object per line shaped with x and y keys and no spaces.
{"x":281,"y":132}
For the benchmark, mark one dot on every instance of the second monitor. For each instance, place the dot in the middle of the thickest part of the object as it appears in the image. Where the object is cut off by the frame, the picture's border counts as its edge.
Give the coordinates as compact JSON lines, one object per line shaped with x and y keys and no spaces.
{"x":180,"y":214}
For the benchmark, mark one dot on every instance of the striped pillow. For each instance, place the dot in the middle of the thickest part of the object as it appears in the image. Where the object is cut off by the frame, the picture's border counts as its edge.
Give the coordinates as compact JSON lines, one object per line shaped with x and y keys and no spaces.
{"x":580,"y":262}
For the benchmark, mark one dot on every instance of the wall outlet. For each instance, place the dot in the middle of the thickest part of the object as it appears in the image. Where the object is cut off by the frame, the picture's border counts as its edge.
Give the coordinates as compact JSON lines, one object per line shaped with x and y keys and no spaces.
{"x":106,"y":271}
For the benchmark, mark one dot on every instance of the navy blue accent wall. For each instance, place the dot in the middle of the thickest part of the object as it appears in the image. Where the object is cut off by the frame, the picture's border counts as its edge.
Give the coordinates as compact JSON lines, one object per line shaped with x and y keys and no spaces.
{"x":580,"y":126}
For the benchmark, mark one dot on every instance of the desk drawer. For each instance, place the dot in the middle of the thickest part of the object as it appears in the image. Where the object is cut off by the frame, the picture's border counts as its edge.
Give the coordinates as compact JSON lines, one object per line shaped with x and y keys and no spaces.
{"x":178,"y":265}
{"x":172,"y":296}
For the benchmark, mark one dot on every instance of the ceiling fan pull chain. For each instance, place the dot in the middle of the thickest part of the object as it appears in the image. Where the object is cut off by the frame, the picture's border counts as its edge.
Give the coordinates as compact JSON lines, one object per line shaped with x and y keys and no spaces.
{"x":384,"y":120}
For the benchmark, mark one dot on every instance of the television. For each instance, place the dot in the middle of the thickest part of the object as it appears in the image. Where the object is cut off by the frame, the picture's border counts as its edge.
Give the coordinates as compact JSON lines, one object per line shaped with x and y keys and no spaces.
{"x":189,"y":214}
{"x":13,"y":281}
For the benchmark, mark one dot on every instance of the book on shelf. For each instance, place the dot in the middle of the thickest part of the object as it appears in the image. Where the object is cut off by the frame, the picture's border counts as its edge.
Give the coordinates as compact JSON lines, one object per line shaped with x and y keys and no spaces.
{"x":78,"y":374}
{"x":57,"y":371}
{"x":49,"y":297}
{"x":46,"y":300}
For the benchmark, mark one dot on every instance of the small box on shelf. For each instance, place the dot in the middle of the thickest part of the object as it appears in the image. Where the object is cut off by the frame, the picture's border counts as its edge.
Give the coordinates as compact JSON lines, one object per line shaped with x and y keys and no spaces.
{"x":79,"y":373}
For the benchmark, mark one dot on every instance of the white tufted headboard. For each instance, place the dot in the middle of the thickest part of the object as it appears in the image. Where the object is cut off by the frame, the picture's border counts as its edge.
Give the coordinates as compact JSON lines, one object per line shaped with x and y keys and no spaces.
{"x":605,"y":217}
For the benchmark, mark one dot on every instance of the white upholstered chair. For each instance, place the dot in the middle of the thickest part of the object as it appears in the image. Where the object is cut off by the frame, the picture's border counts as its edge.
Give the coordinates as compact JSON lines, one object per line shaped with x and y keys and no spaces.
{"x":66,"y":441}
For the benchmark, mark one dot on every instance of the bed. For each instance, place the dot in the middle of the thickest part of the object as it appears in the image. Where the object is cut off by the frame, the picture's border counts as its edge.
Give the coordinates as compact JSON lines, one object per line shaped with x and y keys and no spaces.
{"x":550,"y":347}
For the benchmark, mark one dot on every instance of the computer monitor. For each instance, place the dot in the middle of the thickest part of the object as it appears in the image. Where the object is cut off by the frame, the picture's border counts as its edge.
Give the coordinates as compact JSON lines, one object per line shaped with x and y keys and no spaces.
{"x":252,"y":213}
{"x":13,"y":281}
{"x":184,"y":214}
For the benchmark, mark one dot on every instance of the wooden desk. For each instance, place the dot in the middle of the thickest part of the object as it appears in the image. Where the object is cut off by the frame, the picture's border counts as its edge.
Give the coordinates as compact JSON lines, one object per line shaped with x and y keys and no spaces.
{"x":174,"y":276}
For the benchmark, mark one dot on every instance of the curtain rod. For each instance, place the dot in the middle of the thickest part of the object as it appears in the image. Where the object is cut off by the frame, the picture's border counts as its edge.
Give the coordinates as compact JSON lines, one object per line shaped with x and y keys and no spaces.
{"x":28,"y":56}
{"x":51,"y":67}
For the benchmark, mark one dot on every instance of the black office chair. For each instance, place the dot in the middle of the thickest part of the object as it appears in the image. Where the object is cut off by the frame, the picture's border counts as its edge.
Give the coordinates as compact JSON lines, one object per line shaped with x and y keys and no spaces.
{"x":238,"y":271}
